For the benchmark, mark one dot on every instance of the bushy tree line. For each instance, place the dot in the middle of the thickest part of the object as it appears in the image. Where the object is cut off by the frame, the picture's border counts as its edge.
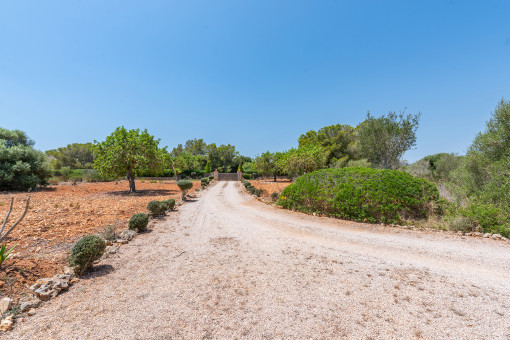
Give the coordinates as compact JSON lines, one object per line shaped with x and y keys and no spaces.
{"x":477,"y":185}
{"x":375,"y":142}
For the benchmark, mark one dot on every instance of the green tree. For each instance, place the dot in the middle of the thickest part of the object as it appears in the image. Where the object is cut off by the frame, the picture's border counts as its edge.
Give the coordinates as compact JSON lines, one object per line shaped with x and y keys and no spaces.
{"x":384,"y":140}
{"x":302,"y":160}
{"x":208,"y":167}
{"x":128,"y":153}
{"x":267,"y":164}
{"x":21,"y":166}
{"x":338,"y":142}
{"x":187,"y":162}
{"x":75,"y":156}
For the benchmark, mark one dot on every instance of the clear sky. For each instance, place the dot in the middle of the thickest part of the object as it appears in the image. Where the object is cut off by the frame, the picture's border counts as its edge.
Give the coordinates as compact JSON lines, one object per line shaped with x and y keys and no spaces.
{"x":255,"y":74}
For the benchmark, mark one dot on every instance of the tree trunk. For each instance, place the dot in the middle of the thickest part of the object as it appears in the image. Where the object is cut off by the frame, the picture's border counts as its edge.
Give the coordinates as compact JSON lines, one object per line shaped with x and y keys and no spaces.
{"x":131,"y":179}
{"x":274,"y":177}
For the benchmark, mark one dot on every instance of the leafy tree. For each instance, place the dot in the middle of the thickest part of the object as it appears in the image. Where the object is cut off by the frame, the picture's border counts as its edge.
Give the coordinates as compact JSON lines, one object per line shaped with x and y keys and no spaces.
{"x":267,"y":164}
{"x":338,"y":142}
{"x":196,"y":147}
{"x":75,"y":156}
{"x":302,"y":160}
{"x":223,"y":157}
{"x":436,"y":167}
{"x":384,"y":140}
{"x":21,"y":166}
{"x":128,"y":153}
{"x":187,"y":162}
{"x":208,"y":167}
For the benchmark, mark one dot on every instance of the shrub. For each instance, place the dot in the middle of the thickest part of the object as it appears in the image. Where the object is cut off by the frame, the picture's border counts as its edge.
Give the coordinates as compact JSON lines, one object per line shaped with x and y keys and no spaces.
{"x":170,"y":203}
{"x":156,"y":208}
{"x":247,"y":184}
{"x":361,"y":194}
{"x":87,"y":250}
{"x":65,"y":172}
{"x":461,"y":223}
{"x":488,"y":216}
{"x":246,"y":176}
{"x":211,"y":177}
{"x":257,"y":192}
{"x":275,"y":196}
{"x":153,"y":181}
{"x":139,"y":222}
{"x":184,"y":185}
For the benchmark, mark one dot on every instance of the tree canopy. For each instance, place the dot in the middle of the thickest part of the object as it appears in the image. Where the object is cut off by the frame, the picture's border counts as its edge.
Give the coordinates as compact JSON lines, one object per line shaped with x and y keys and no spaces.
{"x":75,"y":156}
{"x":384,"y":140}
{"x":128,"y":153}
{"x":21,"y":166}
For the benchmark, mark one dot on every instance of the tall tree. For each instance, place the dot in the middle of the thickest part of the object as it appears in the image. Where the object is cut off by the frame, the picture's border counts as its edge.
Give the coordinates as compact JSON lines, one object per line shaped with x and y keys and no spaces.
{"x":384,"y":140}
{"x":338,"y":142}
{"x":302,"y":160}
{"x":75,"y":156}
{"x":128,"y":153}
{"x":21,"y":166}
{"x":267,"y":164}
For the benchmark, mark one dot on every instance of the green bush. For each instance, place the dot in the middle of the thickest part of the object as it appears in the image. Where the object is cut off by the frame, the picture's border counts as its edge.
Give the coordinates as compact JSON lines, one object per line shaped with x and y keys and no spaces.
{"x":257,"y":192}
{"x":170,"y":203}
{"x":247,"y":184}
{"x":139,"y":222}
{"x":211,"y":178}
{"x":275,"y":196}
{"x":489,"y":217}
{"x":361,"y":194}
{"x":87,"y":250}
{"x":184,"y":185}
{"x":156,"y":208}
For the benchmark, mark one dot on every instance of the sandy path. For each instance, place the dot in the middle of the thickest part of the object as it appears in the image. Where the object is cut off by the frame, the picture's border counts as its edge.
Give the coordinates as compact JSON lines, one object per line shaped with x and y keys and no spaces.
{"x":227,"y":266}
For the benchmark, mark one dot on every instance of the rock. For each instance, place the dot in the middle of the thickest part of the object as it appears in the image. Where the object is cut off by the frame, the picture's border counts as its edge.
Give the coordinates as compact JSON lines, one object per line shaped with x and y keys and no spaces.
{"x":486,"y":235}
{"x":127,"y":235}
{"x":29,"y":303}
{"x":31,"y":312}
{"x":69,"y":271}
{"x":1,"y":283}
{"x":496,"y":236}
{"x":74,"y":280}
{"x":5,"y":304}
{"x":504,"y":238}
{"x":477,"y":234}
{"x":460,"y":233}
{"x":108,"y":243}
{"x":112,"y":249}
{"x":6,"y":324}
{"x":122,"y":241}
{"x":46,"y":289}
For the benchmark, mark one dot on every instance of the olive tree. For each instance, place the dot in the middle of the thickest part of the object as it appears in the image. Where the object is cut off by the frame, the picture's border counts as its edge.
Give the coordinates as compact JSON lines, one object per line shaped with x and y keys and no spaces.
{"x":128,"y":153}
{"x":267,"y":164}
{"x":384,"y":140}
{"x":302,"y":160}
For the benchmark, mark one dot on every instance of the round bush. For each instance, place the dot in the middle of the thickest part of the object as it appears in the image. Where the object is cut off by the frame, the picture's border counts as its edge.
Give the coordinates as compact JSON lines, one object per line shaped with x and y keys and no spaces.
{"x":156,"y":208}
{"x":170,"y":203}
{"x":87,"y":250}
{"x":185,"y":184}
{"x":139,"y":222}
{"x":361,"y":194}
{"x":275,"y":196}
{"x":205,"y":180}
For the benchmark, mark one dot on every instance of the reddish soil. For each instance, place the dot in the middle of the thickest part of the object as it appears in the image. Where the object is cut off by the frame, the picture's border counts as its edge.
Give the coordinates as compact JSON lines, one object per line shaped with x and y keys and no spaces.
{"x":269,"y":186}
{"x":59,"y":215}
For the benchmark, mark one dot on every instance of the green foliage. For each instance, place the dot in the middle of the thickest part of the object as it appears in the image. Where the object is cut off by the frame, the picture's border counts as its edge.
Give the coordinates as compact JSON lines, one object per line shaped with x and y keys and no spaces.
{"x":211,"y":178}
{"x":75,"y":156}
{"x":185,"y":184}
{"x":128,"y":153}
{"x":87,"y":250}
{"x":361,"y":194}
{"x":170,"y":203}
{"x":139,"y":222}
{"x":208,"y":167}
{"x":247,"y":184}
{"x":360,"y":163}
{"x":268,"y":164}
{"x":384,"y":140}
{"x":437,"y":167}
{"x":5,"y":254}
{"x":338,"y":142}
{"x":302,"y":160}
{"x":275,"y":196}
{"x":156,"y":208}
{"x":21,"y":166}
{"x":65,"y":172}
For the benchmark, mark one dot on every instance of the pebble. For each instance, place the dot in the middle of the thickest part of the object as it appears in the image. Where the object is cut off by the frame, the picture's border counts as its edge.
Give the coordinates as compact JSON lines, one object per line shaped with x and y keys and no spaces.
{"x":5,"y":304}
{"x":31,"y":311}
{"x":496,"y":236}
{"x":6,"y":324}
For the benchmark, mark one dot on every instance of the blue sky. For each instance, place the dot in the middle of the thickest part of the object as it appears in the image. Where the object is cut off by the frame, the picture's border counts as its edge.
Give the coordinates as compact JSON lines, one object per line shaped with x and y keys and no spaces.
{"x":255,"y":74}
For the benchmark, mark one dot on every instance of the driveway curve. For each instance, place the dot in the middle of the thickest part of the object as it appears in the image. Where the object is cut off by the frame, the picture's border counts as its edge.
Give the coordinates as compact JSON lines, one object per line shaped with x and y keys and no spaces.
{"x":227,"y":266}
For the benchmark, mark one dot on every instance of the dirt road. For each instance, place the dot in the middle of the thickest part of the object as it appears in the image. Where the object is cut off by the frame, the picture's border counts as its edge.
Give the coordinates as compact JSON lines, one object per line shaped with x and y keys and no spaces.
{"x":227,"y":266}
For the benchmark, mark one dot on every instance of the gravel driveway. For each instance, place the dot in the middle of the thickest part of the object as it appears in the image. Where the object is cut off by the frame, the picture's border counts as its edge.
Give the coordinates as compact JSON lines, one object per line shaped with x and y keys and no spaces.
{"x":226,"y":266}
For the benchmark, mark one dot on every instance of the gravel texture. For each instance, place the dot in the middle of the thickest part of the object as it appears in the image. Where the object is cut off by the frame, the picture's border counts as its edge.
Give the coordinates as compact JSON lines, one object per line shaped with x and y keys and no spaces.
{"x":227,"y":266}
